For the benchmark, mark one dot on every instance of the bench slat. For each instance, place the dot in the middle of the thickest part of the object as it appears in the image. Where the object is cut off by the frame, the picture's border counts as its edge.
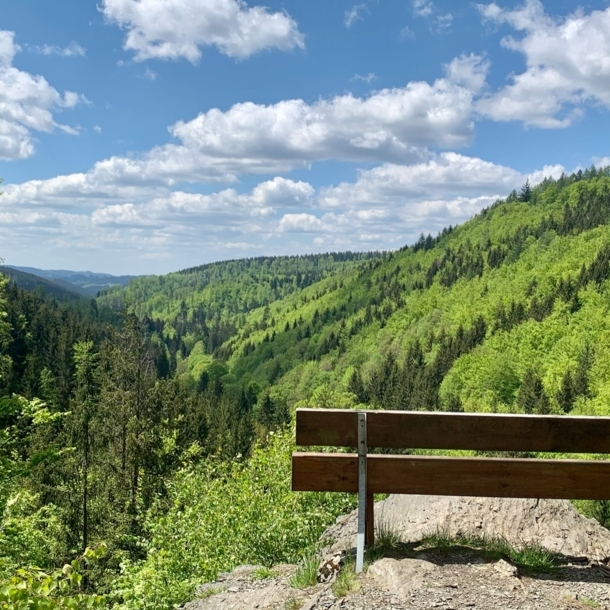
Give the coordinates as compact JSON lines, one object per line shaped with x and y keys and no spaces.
{"x":474,"y":431}
{"x":487,"y":477}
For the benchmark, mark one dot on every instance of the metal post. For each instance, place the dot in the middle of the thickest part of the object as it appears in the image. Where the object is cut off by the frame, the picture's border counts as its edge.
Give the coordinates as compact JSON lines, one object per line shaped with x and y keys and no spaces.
{"x":362,"y":448}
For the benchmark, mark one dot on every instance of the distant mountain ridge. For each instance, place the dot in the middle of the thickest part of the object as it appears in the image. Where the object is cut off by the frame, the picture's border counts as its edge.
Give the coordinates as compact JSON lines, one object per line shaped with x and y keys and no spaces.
{"x":31,"y":282}
{"x":85,"y":283}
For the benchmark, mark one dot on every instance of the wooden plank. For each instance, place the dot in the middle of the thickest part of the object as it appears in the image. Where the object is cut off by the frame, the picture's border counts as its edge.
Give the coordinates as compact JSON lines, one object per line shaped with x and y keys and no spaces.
{"x":325,"y":472}
{"x":475,"y":431}
{"x":488,"y":477}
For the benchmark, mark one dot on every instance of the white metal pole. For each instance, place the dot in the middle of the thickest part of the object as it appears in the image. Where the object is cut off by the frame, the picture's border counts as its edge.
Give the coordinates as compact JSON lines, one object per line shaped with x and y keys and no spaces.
{"x":362,"y":449}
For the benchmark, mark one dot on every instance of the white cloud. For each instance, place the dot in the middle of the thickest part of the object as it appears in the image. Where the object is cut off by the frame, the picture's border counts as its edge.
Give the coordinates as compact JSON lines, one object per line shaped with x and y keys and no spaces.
{"x":423,"y":8}
{"x":369,"y":78}
{"x":469,"y":71}
{"x":174,"y":29}
{"x":354,"y":14}
{"x":444,"y":21}
{"x":399,"y":202}
{"x":97,"y":129}
{"x":27,"y":104}
{"x":445,"y":175}
{"x":407,"y":32}
{"x":427,"y":9}
{"x":601,"y":161}
{"x":306,"y":223}
{"x":150,"y":74}
{"x":389,"y":125}
{"x":72,"y":50}
{"x":567,"y":65}
{"x":385,"y":207}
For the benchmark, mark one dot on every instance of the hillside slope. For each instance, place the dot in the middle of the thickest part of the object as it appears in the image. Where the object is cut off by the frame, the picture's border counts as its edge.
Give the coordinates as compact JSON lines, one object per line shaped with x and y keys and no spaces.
{"x":506,"y":312}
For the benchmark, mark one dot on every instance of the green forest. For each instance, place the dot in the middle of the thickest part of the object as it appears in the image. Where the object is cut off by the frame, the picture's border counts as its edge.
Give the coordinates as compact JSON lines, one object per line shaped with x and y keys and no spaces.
{"x":145,"y":434}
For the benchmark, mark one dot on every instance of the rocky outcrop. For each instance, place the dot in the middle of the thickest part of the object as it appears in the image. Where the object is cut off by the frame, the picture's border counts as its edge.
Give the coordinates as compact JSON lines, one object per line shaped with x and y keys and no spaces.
{"x":456,"y":580}
{"x":553,"y":524}
{"x":424,"y":578}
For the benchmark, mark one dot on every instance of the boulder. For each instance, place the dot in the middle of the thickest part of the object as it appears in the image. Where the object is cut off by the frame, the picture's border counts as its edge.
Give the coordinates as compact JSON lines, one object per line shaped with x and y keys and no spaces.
{"x":553,"y":524}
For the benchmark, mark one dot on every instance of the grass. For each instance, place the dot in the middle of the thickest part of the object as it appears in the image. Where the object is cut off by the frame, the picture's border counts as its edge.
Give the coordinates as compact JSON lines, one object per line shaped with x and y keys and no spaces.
{"x":346,"y":580}
{"x":211,"y":591}
{"x":306,"y":574}
{"x":529,"y":558}
{"x":387,"y":543}
{"x":586,"y":601}
{"x":263,"y":573}
{"x":293,"y":603}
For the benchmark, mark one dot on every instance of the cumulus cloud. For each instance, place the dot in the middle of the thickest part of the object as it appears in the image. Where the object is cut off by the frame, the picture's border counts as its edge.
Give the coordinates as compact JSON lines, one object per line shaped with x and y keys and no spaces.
{"x":390,"y":125}
{"x":396,"y":125}
{"x":306,"y":223}
{"x":27,"y":104}
{"x":175,"y":29}
{"x":385,"y":207}
{"x":398,"y":202}
{"x":566,"y":65}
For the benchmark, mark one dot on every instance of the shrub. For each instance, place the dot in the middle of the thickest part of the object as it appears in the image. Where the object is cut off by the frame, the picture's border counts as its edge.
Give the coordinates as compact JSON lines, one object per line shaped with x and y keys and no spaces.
{"x":222,"y":514}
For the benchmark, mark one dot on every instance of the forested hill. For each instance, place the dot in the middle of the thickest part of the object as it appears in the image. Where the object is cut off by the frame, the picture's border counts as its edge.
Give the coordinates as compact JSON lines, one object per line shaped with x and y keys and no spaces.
{"x":32,"y":282}
{"x":199,"y":309}
{"x":505,"y":312}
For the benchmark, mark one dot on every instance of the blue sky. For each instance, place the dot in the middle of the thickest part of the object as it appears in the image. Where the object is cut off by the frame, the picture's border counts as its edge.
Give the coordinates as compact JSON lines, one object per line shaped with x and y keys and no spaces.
{"x":144,"y":136}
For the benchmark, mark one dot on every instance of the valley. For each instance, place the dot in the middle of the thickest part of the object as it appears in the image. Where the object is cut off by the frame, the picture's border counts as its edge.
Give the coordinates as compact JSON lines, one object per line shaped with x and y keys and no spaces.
{"x":157,"y":417}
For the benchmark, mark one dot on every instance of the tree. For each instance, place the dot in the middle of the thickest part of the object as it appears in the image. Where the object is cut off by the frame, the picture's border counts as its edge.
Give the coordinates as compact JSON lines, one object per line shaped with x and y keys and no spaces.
{"x":566,"y":394}
{"x":84,"y":409}
{"x":531,"y":396}
{"x":583,"y":366}
{"x":525,"y":194}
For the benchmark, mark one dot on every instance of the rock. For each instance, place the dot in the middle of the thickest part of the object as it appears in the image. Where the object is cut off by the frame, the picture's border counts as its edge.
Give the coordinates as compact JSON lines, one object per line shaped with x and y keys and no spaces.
{"x":330,"y":567}
{"x":401,"y":576}
{"x":506,"y":569}
{"x":553,"y":524}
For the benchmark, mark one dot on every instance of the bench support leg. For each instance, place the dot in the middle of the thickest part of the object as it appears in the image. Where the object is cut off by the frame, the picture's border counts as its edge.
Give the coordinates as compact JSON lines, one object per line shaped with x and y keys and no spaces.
{"x":369,"y":535}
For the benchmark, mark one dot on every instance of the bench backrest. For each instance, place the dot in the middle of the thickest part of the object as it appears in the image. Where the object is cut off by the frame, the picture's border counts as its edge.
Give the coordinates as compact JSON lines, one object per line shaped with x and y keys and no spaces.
{"x":491,"y":477}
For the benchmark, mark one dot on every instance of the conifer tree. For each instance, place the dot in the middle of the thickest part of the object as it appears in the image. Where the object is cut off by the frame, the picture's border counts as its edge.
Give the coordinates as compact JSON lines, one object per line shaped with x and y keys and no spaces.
{"x":566,"y":394}
{"x":581,"y":377}
{"x":525,"y":194}
{"x":531,"y":397}
{"x":84,"y":409}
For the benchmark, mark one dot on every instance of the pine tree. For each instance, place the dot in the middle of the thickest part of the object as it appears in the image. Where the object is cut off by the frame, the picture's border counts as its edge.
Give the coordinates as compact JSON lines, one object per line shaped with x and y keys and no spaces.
{"x":581,"y":377}
{"x":84,"y":409}
{"x":531,"y":397}
{"x":566,"y":395}
{"x":525,"y":194}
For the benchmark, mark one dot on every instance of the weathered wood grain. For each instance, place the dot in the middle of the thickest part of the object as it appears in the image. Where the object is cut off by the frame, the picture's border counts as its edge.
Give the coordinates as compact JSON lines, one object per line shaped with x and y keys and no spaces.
{"x":475,"y":431}
{"x":487,"y":477}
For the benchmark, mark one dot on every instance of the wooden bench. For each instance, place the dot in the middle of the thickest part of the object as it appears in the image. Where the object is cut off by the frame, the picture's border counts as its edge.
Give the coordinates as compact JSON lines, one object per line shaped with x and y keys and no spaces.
{"x":503,"y":477}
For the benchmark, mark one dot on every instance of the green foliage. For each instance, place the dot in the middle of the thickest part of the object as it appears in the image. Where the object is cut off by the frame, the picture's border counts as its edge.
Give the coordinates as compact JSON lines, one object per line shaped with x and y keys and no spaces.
{"x":222,"y":514}
{"x":346,"y":581}
{"x":30,"y":535}
{"x":263,"y":573}
{"x":34,"y":588}
{"x":528,"y":558}
{"x":306,"y":574}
